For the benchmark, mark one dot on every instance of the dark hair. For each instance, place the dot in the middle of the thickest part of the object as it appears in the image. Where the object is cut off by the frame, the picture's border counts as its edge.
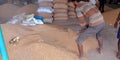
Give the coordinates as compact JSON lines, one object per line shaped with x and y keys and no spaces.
{"x":80,"y":0}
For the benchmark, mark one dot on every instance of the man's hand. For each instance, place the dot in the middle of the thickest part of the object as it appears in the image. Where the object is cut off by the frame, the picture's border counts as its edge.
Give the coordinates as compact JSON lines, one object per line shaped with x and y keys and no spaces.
{"x":84,"y":28}
{"x":116,"y":24}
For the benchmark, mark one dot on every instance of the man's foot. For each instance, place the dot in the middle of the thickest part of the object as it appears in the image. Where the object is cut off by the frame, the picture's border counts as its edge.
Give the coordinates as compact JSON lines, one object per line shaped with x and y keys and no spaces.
{"x":118,"y":55}
{"x":99,"y":50}
{"x":82,"y":58}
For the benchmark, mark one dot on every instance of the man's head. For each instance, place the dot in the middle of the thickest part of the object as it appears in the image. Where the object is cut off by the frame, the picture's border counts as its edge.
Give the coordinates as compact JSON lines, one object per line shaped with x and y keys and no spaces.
{"x":79,"y":0}
{"x":75,"y":2}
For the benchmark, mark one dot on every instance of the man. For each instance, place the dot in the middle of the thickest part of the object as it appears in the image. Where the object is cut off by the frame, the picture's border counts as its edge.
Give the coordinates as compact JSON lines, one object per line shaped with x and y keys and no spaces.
{"x":102,"y":3}
{"x":95,"y":21}
{"x":118,"y":34}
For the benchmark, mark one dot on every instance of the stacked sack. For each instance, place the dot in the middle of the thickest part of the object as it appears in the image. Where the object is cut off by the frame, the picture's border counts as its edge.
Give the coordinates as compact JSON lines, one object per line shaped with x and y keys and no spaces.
{"x":71,"y":10}
{"x":60,"y":9}
{"x":46,"y":10}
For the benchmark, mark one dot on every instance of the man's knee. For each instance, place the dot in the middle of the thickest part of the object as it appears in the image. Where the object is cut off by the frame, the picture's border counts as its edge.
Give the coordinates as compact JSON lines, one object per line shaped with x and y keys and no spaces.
{"x":79,"y":42}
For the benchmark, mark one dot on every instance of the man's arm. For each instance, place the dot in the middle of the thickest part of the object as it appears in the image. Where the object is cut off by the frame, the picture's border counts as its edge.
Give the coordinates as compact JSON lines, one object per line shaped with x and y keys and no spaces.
{"x":82,"y":23}
{"x":117,"y":20}
{"x":81,"y":19}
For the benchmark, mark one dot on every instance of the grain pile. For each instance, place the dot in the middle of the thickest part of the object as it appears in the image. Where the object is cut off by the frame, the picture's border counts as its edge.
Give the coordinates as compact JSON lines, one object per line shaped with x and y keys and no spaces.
{"x":60,"y":9}
{"x":34,"y":45}
{"x":107,"y":8}
{"x":7,"y":11}
{"x":28,"y":9}
{"x":43,"y":42}
{"x":111,"y":16}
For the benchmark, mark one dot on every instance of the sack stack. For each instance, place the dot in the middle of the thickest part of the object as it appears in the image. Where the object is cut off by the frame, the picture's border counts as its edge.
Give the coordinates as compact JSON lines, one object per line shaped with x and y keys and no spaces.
{"x":71,"y":10}
{"x":46,"y":10}
{"x":60,"y":9}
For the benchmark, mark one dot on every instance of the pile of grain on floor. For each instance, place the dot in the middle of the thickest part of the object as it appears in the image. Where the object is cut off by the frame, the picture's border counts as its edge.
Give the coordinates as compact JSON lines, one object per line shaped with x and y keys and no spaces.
{"x":43,"y":42}
{"x":107,"y":8}
{"x":28,"y":9}
{"x":111,"y":16}
{"x":33,"y":43}
{"x":7,"y":11}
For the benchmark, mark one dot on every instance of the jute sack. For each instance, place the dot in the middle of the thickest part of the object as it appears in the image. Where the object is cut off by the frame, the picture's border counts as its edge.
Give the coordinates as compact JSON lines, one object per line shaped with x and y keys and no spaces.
{"x":45,"y":4}
{"x":71,"y":9}
{"x":61,"y":18}
{"x":72,"y":13}
{"x":39,"y":1}
{"x":45,"y":15}
{"x":70,"y":4}
{"x":60,"y":6}
{"x":72,"y":16}
{"x":60,"y":15}
{"x":60,"y":11}
{"x":48,"y":20}
{"x":60,"y":1}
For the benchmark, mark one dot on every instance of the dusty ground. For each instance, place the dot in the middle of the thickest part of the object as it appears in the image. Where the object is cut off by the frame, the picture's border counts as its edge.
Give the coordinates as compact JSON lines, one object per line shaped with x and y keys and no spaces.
{"x":110,"y":43}
{"x":42,"y":42}
{"x":53,"y":42}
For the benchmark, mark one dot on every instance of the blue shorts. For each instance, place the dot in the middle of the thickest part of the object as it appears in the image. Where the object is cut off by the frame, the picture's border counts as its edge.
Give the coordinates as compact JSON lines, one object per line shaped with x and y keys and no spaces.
{"x":91,"y":31}
{"x":118,"y":34}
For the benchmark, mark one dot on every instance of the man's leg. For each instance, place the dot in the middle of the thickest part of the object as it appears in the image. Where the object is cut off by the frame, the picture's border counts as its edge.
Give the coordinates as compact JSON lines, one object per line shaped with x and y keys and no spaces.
{"x":118,"y":53}
{"x":90,"y":31}
{"x":102,"y":8}
{"x":80,"y":49}
{"x":100,"y":43}
{"x":99,"y":37}
{"x":119,"y":46}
